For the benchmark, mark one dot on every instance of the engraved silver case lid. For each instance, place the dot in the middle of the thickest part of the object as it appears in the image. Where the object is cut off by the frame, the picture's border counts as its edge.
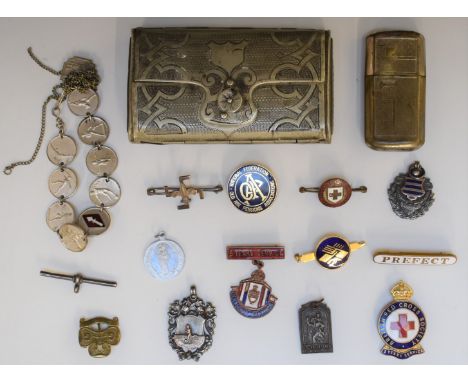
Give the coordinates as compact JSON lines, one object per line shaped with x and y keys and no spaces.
{"x":198,"y":85}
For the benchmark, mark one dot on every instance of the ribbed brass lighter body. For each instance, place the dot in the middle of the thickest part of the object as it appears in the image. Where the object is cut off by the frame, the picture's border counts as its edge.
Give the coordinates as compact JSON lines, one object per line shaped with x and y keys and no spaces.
{"x":395,"y":91}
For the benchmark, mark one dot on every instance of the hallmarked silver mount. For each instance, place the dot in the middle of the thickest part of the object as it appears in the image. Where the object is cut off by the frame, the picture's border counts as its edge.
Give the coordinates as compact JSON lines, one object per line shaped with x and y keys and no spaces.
{"x":191,"y":326}
{"x":411,"y":194}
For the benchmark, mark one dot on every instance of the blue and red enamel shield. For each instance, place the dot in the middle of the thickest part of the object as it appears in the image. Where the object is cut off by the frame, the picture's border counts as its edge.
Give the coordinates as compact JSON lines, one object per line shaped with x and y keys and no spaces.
{"x":402,"y":324}
{"x":252,"y":297}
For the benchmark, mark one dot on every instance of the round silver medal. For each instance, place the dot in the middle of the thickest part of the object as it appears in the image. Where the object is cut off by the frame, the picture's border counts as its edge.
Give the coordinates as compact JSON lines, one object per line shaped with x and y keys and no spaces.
{"x":164,"y":259}
{"x":63,"y":183}
{"x":104,"y":192}
{"x":61,"y":150}
{"x":94,"y":220}
{"x":58,"y":214}
{"x":93,"y":130}
{"x":83,"y":103}
{"x":101,"y":161}
{"x":73,"y":237}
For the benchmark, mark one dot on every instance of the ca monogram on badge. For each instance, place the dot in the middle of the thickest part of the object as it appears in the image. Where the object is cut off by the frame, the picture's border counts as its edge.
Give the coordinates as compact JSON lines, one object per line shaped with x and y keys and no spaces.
{"x":252,"y":188}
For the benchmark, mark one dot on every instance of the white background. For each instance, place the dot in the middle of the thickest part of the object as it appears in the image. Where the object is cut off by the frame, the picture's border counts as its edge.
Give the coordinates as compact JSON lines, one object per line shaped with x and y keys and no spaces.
{"x":39,"y":317}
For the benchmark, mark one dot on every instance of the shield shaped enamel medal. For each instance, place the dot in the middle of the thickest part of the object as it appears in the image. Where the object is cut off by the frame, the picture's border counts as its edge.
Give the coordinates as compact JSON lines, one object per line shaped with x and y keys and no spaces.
{"x":252,"y":297}
{"x":402,"y":324}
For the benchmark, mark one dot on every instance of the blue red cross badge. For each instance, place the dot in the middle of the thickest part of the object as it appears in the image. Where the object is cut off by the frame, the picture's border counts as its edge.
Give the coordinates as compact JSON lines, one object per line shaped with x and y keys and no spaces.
{"x":402,"y":324}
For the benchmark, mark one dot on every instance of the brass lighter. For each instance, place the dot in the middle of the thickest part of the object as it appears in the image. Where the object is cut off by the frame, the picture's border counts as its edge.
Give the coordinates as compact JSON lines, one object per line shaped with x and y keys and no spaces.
{"x":395,"y":91}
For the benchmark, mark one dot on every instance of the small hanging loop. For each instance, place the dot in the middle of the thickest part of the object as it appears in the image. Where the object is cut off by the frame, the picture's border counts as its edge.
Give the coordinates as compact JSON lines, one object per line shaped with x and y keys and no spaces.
{"x":258,"y":263}
{"x":8,"y":170}
{"x":193,"y":292}
{"x":417,"y":170}
{"x":77,"y":280}
{"x":161,"y":235}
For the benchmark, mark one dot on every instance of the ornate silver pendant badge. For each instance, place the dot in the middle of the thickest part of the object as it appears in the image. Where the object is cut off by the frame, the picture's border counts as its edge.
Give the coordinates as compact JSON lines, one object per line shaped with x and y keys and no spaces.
{"x":411,"y":194}
{"x":191,"y":326}
{"x":315,"y":326}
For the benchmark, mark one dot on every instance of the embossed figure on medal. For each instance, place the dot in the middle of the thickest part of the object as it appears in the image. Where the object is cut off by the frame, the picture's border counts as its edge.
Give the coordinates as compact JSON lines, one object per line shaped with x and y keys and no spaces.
{"x":78,"y":87}
{"x":315,"y":328}
{"x":191,"y":326}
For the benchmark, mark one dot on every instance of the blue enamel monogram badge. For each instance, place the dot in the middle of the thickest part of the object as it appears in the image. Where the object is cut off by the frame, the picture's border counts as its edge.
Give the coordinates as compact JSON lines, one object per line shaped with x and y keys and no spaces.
{"x":252,"y":188}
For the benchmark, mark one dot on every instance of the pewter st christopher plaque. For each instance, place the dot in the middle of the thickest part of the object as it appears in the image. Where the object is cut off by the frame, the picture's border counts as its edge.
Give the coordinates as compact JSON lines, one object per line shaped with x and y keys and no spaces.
{"x":205,"y":85}
{"x":315,"y":326}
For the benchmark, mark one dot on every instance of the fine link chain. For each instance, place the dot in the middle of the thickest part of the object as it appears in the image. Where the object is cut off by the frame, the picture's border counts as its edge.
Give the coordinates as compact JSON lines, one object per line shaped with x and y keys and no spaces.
{"x":42,"y":65}
{"x":54,"y":96}
{"x":75,"y":80}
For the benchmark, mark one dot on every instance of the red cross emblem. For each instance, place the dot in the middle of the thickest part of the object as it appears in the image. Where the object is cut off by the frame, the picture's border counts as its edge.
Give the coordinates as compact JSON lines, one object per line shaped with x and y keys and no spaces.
{"x":335,"y":195}
{"x":402,"y":325}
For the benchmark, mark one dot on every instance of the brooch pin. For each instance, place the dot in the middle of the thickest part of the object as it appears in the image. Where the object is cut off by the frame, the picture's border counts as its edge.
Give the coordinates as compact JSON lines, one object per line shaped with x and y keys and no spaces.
{"x":402,"y":324}
{"x":78,"y":279}
{"x":164,"y":258}
{"x":315,"y":326}
{"x":411,"y":194}
{"x":414,"y":258}
{"x":99,"y":334}
{"x":334,"y":192}
{"x":252,"y":298}
{"x":183,"y":191}
{"x":332,"y":252}
{"x":252,"y":188}
{"x":191,"y":326}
